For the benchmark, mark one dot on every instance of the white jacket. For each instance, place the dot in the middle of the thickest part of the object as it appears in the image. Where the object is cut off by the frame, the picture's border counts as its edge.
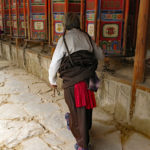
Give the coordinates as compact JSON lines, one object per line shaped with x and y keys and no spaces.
{"x":76,"y":40}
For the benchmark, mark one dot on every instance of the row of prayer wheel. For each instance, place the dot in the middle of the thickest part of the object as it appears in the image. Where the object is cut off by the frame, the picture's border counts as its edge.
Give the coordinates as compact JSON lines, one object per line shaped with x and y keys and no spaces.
{"x":108,"y":22}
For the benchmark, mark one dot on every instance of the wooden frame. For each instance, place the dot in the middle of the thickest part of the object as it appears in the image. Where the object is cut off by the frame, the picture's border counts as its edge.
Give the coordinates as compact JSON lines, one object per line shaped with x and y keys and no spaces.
{"x":49,"y":22}
{"x":17,"y":15}
{"x":46,"y":19}
{"x":25,"y":19}
{"x":10,"y":17}
{"x":28,"y":20}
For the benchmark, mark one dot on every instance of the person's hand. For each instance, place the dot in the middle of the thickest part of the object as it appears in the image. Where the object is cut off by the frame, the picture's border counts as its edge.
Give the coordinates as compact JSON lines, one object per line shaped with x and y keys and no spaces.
{"x":53,"y":86}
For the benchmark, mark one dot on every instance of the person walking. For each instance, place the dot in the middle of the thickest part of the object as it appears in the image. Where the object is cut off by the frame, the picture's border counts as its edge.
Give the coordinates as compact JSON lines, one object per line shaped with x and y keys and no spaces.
{"x":76,"y":58}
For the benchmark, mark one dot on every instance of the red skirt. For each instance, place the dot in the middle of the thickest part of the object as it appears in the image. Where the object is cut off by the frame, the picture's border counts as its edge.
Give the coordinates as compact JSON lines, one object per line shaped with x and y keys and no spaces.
{"x":83,"y":96}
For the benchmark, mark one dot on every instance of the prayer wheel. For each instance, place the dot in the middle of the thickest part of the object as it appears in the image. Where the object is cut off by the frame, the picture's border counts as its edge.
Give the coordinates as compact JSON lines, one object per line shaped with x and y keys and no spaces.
{"x":22,"y":19}
{"x":59,"y":8}
{"x":6,"y":19}
{"x":37,"y":20}
{"x":91,"y":16}
{"x":14,"y":18}
{"x":58,"y":11}
{"x":1,"y":15}
{"x":111,"y":26}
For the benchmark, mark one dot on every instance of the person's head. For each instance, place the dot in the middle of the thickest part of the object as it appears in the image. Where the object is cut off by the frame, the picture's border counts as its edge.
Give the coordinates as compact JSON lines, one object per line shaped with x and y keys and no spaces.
{"x":71,"y":20}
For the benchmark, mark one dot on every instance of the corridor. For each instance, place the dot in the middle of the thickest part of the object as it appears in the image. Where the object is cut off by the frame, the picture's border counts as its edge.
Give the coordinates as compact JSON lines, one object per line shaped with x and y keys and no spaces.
{"x":32,"y":119}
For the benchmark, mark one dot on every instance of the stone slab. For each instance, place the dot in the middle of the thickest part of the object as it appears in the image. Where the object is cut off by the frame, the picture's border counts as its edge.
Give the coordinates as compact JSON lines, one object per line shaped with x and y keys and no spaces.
{"x":39,"y":88}
{"x":55,"y":122}
{"x":41,"y":111}
{"x":108,"y":142}
{"x":12,"y":111}
{"x":3,"y":99}
{"x":6,"y":51}
{"x":137,"y":142}
{"x":14,"y":132}
{"x":52,"y":140}
{"x":101,"y":115}
{"x":48,"y":96}
{"x":123,"y":101}
{"x":99,"y":129}
{"x":65,"y":135}
{"x":63,"y":106}
{"x":24,"y":98}
{"x":107,"y":96}
{"x":68,"y":146}
{"x":35,"y":144}
{"x":13,"y":86}
{"x":14,"y":54}
{"x":141,"y":116}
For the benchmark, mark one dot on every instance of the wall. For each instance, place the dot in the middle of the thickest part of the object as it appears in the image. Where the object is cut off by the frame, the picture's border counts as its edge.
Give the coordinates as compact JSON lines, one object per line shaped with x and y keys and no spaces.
{"x":114,"y":95}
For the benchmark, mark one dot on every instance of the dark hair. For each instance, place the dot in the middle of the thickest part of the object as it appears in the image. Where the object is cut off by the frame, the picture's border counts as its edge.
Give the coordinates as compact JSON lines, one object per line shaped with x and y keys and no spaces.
{"x":71,"y":20}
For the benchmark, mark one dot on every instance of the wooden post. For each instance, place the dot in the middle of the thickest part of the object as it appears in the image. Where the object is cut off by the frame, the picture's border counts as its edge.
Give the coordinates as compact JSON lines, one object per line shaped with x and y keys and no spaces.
{"x":46,"y":25}
{"x":24,"y":12}
{"x":127,"y":4}
{"x":66,"y":6}
{"x":136,"y":20}
{"x":52,"y":24}
{"x":28,"y":10}
{"x":17,"y":17}
{"x":49,"y":22}
{"x":98,"y":23}
{"x":10,"y":19}
{"x":139,"y":63}
{"x":95,"y":21}
{"x":82,"y":17}
{"x":140,"y":53}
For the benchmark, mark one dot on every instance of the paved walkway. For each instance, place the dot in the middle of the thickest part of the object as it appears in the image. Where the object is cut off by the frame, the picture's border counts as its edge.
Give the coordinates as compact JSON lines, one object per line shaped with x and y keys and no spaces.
{"x":31,"y":119}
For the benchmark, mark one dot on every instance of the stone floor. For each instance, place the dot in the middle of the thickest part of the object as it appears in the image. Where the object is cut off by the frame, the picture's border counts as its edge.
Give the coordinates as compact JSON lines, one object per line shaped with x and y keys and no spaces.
{"x":31,"y":119}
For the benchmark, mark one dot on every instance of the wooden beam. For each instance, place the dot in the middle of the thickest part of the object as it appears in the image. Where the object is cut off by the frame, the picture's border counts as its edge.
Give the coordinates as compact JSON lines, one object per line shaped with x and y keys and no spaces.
{"x":139,"y":62}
